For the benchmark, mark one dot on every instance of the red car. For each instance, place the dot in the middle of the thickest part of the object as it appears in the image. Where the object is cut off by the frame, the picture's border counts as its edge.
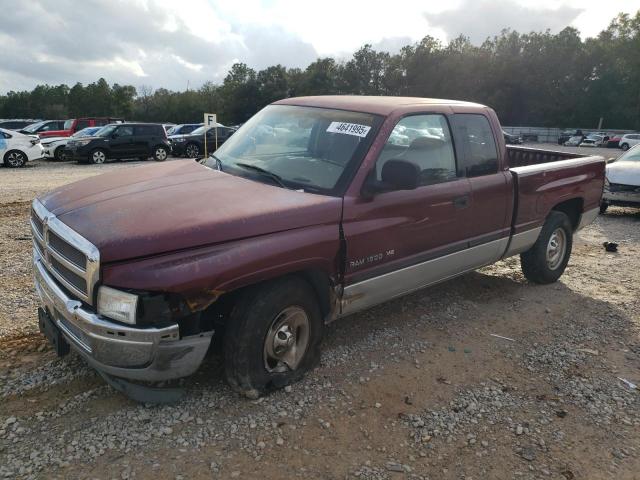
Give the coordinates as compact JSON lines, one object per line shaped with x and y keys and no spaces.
{"x":315,"y":208}
{"x":74,"y":125}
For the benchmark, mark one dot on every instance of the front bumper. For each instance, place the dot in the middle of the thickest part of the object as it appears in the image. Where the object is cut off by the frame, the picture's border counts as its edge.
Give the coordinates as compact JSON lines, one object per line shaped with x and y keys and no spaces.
{"x":150,"y":354}
{"x":177,"y":148}
{"x":621,"y":198}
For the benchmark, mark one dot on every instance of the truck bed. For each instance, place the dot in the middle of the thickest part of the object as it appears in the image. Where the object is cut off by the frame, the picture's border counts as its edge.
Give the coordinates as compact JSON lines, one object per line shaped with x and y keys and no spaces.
{"x":544,"y":179}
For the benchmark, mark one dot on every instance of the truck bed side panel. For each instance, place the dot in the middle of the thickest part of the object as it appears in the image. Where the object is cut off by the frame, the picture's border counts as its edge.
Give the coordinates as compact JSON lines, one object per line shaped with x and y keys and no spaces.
{"x":541,"y":187}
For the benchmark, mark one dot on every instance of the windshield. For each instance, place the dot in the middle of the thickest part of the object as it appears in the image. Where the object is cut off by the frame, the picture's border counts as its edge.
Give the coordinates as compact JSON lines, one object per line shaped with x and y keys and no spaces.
{"x":33,"y":127}
{"x":631,"y":155}
{"x":106,"y":131}
{"x":86,"y":132}
{"x":306,"y":147}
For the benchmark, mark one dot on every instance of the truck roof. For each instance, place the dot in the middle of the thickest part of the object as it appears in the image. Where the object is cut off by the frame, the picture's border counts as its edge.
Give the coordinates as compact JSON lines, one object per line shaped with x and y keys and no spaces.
{"x":368,"y":104}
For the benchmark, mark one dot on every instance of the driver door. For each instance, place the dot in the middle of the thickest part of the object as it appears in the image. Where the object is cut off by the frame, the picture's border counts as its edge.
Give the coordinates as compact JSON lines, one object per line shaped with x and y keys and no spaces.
{"x":402,"y":240}
{"x":121,"y":142}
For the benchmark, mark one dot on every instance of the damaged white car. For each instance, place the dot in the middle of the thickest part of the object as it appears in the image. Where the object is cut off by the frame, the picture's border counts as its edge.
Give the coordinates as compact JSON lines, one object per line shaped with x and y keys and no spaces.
{"x":16,"y":149}
{"x":622,"y":183}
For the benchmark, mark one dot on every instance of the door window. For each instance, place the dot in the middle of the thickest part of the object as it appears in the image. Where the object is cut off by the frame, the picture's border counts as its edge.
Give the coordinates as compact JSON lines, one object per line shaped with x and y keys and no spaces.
{"x":475,"y":144}
{"x":124,"y":131}
{"x":424,"y":140}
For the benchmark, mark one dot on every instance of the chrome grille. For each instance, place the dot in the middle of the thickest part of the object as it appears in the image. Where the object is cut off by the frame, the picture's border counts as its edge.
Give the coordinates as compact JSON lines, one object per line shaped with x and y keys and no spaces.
{"x":69,"y":257}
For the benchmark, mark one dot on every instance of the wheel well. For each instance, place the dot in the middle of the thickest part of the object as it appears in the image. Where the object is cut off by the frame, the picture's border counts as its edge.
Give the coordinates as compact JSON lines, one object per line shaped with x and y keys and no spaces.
{"x":6,"y":155}
{"x":572,"y":209}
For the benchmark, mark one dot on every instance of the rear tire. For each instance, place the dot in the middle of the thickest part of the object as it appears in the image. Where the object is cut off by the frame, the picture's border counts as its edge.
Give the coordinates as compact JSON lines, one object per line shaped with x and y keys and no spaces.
{"x":15,"y":159}
{"x":272,"y":336}
{"x":546,"y":261}
{"x":160,"y":154}
{"x":624,"y":147}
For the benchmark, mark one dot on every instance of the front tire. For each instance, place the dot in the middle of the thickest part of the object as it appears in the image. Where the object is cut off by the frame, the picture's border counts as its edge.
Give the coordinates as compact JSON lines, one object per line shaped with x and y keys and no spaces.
{"x":603,"y":207}
{"x":59,"y":154}
{"x":15,"y":159}
{"x":192,"y":150}
{"x":624,"y":147}
{"x":160,"y":154}
{"x":272,"y":337}
{"x":98,"y":156}
{"x":546,"y":261}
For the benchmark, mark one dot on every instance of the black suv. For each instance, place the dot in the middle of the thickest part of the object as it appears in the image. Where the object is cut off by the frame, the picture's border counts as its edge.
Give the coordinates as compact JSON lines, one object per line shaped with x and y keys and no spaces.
{"x":192,"y":145}
{"x":121,"y":140}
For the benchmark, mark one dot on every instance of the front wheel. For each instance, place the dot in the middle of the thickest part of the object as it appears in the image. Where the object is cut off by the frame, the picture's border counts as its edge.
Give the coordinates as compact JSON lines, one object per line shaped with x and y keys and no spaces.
{"x":192,"y":150}
{"x":160,"y":154}
{"x":603,"y":207}
{"x":272,"y":337}
{"x":98,"y":156}
{"x":546,"y":261}
{"x":15,"y":159}
{"x":59,"y":154}
{"x":624,"y":147}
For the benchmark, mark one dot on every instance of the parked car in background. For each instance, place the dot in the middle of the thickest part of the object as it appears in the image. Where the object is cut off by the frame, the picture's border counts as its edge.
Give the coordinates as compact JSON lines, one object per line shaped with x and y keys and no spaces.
{"x":511,"y":139}
{"x":183,"y":128}
{"x":614,"y":141}
{"x":192,"y":144}
{"x":44,"y":126}
{"x":17,"y":124}
{"x":16,"y":148}
{"x":629,"y":140}
{"x":594,"y":140}
{"x":622,"y":183}
{"x":74,"y":125}
{"x":574,"y":141}
{"x":55,"y":147}
{"x":280,"y":234}
{"x":121,"y":140}
{"x":568,"y":134}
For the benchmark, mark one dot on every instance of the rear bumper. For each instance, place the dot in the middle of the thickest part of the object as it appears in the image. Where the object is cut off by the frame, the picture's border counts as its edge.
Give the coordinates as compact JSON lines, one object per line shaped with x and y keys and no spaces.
{"x":150,"y":354}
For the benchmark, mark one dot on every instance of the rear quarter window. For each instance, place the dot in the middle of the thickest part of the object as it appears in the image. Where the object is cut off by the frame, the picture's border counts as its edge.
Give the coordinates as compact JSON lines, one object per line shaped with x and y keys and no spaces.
{"x":149,"y":130}
{"x":475,"y":145}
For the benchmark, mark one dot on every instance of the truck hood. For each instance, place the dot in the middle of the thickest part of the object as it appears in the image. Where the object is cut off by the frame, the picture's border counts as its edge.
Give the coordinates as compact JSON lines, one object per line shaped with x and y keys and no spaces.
{"x":624,"y":172}
{"x":180,"y":204}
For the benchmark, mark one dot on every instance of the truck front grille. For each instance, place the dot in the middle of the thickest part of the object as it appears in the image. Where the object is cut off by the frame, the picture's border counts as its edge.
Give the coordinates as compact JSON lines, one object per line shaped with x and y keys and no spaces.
{"x":70,"y":258}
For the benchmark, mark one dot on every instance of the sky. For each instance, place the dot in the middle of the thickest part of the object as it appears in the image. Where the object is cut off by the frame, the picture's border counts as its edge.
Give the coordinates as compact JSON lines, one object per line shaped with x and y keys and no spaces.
{"x":178,"y":44}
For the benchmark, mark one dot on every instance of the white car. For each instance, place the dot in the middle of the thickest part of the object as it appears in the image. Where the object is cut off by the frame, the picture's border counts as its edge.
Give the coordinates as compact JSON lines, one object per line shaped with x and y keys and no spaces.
{"x":629,"y":140}
{"x":574,"y":141}
{"x":16,"y":149}
{"x":55,"y":147}
{"x":594,"y":140}
{"x":622,"y":183}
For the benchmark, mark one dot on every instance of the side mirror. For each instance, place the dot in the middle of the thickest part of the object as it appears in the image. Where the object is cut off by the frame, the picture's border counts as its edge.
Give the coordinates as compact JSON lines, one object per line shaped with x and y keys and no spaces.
{"x":395,"y":175}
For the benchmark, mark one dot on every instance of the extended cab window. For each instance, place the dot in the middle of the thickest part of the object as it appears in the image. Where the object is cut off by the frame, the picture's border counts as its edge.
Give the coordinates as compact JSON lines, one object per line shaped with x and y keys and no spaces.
{"x":424,"y":140}
{"x":475,"y":144}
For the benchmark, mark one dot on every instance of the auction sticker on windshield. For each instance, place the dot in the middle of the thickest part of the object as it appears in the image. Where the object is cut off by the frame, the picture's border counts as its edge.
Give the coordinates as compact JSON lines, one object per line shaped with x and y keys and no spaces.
{"x":349,"y":129}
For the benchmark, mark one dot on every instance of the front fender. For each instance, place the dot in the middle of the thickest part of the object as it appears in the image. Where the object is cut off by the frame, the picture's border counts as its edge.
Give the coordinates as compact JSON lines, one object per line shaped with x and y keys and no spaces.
{"x":217,"y":269}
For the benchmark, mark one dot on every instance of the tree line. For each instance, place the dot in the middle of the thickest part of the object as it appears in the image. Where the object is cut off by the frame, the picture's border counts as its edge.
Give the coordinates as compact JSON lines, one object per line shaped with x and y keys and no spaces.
{"x":538,"y":78}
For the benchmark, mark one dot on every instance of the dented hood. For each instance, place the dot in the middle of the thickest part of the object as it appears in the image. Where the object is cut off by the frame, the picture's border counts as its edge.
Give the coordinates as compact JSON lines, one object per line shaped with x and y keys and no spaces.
{"x":180,"y":204}
{"x":624,"y":172}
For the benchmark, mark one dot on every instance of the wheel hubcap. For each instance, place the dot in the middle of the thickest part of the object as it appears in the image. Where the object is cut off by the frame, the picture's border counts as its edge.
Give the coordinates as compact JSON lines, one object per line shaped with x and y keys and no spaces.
{"x":15,"y":159}
{"x":556,"y":248}
{"x":161,"y":154}
{"x":98,"y":157}
{"x":286,"y":341}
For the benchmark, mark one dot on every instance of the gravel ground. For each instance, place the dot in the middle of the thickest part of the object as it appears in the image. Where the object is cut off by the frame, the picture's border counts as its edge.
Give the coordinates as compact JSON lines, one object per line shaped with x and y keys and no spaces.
{"x":417,"y":388}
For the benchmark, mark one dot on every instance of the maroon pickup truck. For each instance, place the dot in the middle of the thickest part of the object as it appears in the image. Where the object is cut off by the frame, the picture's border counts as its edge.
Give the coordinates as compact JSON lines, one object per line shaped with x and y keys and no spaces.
{"x":316,"y":208}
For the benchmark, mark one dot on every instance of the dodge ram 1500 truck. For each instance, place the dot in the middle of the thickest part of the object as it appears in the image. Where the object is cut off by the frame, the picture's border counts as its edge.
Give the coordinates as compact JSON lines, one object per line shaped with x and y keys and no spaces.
{"x":316,"y":208}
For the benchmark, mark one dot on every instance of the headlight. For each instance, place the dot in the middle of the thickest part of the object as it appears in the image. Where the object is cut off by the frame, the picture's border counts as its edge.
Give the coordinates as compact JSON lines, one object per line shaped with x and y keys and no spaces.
{"x":118,"y":305}
{"x":178,"y":140}
{"x":82,"y":141}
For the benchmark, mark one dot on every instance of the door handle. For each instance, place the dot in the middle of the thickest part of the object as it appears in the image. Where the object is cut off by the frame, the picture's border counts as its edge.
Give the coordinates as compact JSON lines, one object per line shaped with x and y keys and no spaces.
{"x":461,"y":202}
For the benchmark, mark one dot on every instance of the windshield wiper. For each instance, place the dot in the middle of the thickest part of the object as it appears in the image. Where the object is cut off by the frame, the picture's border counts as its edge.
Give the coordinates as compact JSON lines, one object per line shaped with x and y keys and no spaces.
{"x":275,"y":177}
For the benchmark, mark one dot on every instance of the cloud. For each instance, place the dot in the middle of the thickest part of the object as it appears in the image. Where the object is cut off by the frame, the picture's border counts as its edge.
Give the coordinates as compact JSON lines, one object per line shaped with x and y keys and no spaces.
{"x":480,"y":19}
{"x":134,"y":42}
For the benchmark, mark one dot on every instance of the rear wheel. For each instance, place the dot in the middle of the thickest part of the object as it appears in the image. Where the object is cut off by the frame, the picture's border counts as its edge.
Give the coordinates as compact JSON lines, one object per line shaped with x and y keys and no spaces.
{"x":160,"y":154}
{"x":272,"y":337}
{"x":98,"y":156}
{"x":15,"y":159}
{"x":546,"y":261}
{"x":624,"y":146}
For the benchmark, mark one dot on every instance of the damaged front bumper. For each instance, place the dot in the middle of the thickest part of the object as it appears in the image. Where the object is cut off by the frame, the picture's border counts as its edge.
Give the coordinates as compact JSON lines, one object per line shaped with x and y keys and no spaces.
{"x":146,"y":354}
